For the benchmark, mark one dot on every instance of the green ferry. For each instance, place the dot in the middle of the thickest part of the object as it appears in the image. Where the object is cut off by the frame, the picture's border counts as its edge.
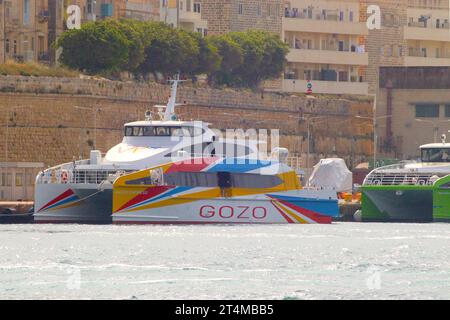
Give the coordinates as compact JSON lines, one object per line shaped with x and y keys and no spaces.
{"x":411,"y":191}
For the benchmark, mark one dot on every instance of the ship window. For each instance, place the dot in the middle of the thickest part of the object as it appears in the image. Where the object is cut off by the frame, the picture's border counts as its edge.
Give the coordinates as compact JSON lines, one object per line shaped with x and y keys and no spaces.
{"x":427,"y":110}
{"x":149,"y":131}
{"x":222,"y":180}
{"x":128,"y":131}
{"x":138,"y":131}
{"x":192,"y":179}
{"x":435,"y":155}
{"x":163,"y":131}
{"x":445,"y":186}
{"x":254,"y":181}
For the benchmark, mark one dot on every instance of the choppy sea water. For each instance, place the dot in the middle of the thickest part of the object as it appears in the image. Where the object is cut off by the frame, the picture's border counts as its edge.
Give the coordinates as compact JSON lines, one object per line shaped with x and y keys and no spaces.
{"x":339,"y":261}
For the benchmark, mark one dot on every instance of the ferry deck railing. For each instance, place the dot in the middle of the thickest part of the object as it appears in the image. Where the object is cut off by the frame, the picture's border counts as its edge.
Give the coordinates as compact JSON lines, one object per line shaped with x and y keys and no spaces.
{"x":69,"y":173}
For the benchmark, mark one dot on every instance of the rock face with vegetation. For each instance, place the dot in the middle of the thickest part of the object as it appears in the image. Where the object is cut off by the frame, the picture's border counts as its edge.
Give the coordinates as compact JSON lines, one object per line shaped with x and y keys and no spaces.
{"x":239,"y":59}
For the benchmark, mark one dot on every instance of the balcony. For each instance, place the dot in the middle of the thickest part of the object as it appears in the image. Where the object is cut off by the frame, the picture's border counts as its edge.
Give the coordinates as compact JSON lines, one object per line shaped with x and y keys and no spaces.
{"x":418,"y":58}
{"x":328,"y":57}
{"x":192,"y":19}
{"x":324,"y":26}
{"x":415,"y":32}
{"x":326,"y":87}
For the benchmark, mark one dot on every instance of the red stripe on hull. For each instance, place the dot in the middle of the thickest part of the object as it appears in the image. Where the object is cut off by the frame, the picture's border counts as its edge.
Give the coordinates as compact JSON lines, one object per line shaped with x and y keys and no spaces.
{"x":145,"y":195}
{"x":282,"y":213}
{"x":63,"y":195}
{"x":319,"y":218}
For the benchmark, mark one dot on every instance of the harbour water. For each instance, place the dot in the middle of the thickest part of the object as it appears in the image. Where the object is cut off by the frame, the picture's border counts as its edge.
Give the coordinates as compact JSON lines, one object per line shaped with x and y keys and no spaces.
{"x":339,"y":261}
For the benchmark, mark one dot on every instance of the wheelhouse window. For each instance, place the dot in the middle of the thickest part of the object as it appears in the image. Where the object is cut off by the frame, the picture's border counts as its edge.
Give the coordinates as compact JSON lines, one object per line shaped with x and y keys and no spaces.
{"x":436,"y":155}
{"x":162,"y":131}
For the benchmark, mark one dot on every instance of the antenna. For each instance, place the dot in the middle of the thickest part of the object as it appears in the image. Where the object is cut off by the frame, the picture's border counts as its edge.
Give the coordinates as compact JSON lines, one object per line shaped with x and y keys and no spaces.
{"x":443,"y":138}
{"x":170,"y":109}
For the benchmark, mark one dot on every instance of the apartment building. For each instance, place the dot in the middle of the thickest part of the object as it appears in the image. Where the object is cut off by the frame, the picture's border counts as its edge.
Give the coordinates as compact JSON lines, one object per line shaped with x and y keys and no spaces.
{"x":185,"y":14}
{"x":327,"y":43}
{"x":240,"y":15}
{"x":427,"y":33}
{"x":414,"y":33}
{"x":24,"y":30}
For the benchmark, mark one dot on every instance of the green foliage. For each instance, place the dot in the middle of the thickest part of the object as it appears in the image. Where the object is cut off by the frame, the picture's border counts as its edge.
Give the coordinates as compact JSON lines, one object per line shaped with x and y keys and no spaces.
{"x":134,"y":31}
{"x":96,"y":47}
{"x":263,"y":57}
{"x":235,"y":59}
{"x":208,"y":59}
{"x":168,"y":50}
{"x":232,"y":57}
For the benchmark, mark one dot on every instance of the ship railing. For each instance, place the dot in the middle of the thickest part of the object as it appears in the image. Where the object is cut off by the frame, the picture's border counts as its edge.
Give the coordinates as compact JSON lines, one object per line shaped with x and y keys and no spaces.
{"x":384,"y":175}
{"x":68,"y":173}
{"x":391,"y":179}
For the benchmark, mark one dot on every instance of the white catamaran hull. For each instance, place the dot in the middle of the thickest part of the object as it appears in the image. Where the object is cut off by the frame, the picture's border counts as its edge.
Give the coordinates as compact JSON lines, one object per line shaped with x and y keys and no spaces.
{"x":302,"y":206}
{"x":72,"y":203}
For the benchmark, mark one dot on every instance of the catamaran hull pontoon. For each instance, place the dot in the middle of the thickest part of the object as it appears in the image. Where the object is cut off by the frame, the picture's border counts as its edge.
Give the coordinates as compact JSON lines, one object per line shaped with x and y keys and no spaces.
{"x":73,"y":203}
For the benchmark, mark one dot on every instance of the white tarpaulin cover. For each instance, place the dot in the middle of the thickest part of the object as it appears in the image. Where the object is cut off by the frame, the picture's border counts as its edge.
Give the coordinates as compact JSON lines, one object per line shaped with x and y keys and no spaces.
{"x":332,"y":173}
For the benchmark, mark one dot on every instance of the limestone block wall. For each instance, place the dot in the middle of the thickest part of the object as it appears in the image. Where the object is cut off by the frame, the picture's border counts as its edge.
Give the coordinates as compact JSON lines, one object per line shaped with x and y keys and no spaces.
{"x":52,"y":120}
{"x":225,"y":16}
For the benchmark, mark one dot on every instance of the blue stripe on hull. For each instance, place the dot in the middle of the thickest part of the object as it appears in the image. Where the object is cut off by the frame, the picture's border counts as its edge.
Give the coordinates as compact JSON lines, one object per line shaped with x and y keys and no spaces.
{"x":327,"y":207}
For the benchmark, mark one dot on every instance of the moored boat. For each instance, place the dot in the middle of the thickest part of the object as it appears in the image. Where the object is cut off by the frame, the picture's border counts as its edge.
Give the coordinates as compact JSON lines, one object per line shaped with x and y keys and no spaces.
{"x":410,"y":191}
{"x":220,"y":190}
{"x":81,"y":191}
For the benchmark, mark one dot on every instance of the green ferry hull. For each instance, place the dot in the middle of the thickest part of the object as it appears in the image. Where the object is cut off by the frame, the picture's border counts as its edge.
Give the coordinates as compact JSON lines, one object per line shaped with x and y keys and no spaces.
{"x":441,"y":200}
{"x":397,"y":204}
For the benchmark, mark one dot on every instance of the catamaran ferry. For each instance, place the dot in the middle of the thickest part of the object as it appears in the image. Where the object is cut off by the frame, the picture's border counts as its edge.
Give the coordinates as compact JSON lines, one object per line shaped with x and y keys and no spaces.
{"x":410,"y":191}
{"x":82,"y":191}
{"x":220,"y":190}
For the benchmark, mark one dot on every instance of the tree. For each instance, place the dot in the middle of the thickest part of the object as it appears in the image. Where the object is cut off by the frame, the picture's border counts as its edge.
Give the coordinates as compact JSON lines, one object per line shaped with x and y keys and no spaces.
{"x":168,"y":50}
{"x":208,"y":59}
{"x":134,"y":31}
{"x":231,"y":58}
{"x":264,"y":57}
{"x":95,"y":48}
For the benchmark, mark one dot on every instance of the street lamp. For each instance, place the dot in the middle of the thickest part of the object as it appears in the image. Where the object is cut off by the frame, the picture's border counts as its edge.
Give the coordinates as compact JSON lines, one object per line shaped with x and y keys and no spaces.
{"x":95,"y":110}
{"x":375,"y":137}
